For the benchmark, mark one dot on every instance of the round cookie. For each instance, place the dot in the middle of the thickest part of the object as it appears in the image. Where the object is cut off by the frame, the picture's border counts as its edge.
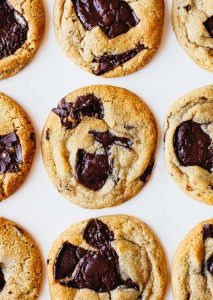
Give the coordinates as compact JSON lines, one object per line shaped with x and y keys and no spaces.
{"x":193,"y":25}
{"x":21,"y":267}
{"x":17,"y":146}
{"x":98,"y":146}
{"x":21,"y":28}
{"x":192,"y":270}
{"x":112,"y":257}
{"x":109,"y":38}
{"x":189,"y":143}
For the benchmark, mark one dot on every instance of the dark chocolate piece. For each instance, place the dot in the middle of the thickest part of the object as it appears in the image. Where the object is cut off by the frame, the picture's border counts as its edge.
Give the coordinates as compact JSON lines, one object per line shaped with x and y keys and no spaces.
{"x":107,"y":139}
{"x":67,"y":258}
{"x":193,"y":146}
{"x":2,"y":280}
{"x":147,"y":172}
{"x":188,"y":8}
{"x":209,"y":25}
{"x":95,"y":270}
{"x":108,"y":62}
{"x":114,"y":17}
{"x":71,"y":113}
{"x":209,"y":264}
{"x":13,"y":29}
{"x":207,"y":231}
{"x":93,"y":170}
{"x":10,"y":153}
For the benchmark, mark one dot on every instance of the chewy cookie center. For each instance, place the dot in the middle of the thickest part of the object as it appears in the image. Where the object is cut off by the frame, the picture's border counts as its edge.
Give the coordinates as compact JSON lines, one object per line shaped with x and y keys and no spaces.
{"x":114,"y":17}
{"x":193,"y":146}
{"x":13,"y":29}
{"x":96,"y":270}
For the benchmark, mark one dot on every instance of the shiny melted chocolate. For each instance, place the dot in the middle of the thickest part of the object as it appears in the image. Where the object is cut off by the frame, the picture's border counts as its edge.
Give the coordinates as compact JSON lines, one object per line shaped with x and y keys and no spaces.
{"x":13,"y":29}
{"x":208,"y":233}
{"x":93,"y":170}
{"x":71,"y":113}
{"x":209,"y":25}
{"x":108,"y":62}
{"x":95,"y":270}
{"x":114,"y":17}
{"x":193,"y":146}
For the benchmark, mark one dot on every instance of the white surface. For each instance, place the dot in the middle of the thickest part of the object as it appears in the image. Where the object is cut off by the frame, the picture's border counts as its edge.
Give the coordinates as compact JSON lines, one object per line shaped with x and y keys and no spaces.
{"x":38,"y":207}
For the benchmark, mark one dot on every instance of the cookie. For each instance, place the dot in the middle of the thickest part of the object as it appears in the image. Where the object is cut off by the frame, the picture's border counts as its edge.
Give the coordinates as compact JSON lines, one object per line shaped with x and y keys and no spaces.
{"x":192,"y":270}
{"x":189,"y":143}
{"x":109,"y":38}
{"x":193,"y":25}
{"x":21,"y":28}
{"x":98,"y":146}
{"x":17,"y":146}
{"x":21,"y":267}
{"x":112,"y":257}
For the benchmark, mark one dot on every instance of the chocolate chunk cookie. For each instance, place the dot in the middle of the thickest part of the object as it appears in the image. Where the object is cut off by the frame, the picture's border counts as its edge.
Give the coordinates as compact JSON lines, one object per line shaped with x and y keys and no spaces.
{"x":21,"y":29}
{"x":113,"y":257}
{"x":20,"y":267}
{"x":109,"y":38}
{"x":98,"y":146}
{"x":193,"y":25}
{"x":192,"y":270}
{"x":17,"y":146}
{"x":189,"y":143}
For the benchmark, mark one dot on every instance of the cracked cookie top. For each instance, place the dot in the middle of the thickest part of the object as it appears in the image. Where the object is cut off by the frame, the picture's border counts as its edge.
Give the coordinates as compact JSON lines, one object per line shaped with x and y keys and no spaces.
{"x":192,"y":270}
{"x":20,"y":33}
{"x":109,"y":38}
{"x":98,"y":146}
{"x":193,"y":26}
{"x":20,"y":263}
{"x":17,"y":146}
{"x":189,"y":143}
{"x":113,"y":257}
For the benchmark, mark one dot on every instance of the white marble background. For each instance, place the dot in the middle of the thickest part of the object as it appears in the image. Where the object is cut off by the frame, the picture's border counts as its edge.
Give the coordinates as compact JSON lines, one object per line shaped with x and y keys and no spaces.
{"x":161,"y":204}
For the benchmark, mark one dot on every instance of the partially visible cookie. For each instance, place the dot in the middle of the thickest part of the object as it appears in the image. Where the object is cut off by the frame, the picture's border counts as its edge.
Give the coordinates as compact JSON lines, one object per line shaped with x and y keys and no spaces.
{"x":193,"y":25}
{"x":192,"y":270}
{"x":20,"y":263}
{"x":189,"y":143}
{"x":21,"y":28}
{"x":112,"y":257}
{"x":109,"y":38}
{"x":98,"y":146}
{"x":17,"y":146}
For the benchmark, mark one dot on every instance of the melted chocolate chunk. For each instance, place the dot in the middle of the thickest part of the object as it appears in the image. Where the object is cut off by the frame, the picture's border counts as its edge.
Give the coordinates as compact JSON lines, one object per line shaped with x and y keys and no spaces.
{"x":108,"y":62}
{"x":209,"y":264}
{"x":71,"y":113}
{"x":92,"y":170}
{"x":193,"y":146}
{"x":114,"y":17}
{"x":97,"y":234}
{"x":95,"y":270}
{"x":147,"y":172}
{"x":13,"y":29}
{"x":207,"y":231}
{"x":2,"y":280}
{"x":10,"y":153}
{"x":209,"y":25}
{"x":67,"y":258}
{"x":188,"y":8}
{"x":107,"y":139}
